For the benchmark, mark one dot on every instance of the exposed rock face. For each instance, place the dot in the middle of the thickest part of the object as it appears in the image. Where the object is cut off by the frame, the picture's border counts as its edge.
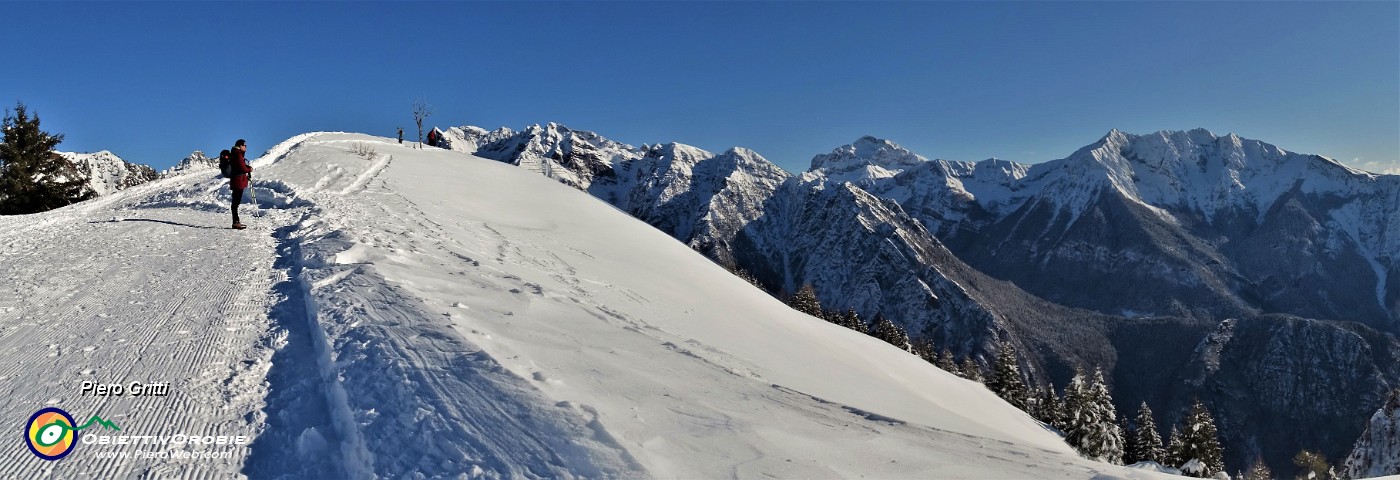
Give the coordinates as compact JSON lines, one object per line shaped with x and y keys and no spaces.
{"x":1377,"y":452}
{"x":195,"y":161}
{"x":1280,"y":384}
{"x":107,"y":173}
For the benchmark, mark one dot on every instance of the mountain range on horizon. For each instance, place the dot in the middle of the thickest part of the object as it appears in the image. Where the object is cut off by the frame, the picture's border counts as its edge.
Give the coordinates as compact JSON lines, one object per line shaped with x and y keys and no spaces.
{"x":1186,"y":264}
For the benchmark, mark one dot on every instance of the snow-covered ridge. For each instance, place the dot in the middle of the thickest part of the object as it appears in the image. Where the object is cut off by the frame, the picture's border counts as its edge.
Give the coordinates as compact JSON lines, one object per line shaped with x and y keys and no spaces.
{"x":107,"y":173}
{"x":693,"y":194}
{"x":866,"y":158}
{"x":1199,"y":171}
{"x":195,"y":161}
{"x":1194,"y":173}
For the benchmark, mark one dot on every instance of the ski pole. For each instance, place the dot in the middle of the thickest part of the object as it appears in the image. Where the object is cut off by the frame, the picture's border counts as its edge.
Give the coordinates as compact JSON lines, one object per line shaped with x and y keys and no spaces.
{"x":254,"y":192}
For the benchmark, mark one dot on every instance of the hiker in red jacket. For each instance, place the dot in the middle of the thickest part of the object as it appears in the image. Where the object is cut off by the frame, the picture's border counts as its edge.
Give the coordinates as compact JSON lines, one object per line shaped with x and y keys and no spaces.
{"x":239,"y":182}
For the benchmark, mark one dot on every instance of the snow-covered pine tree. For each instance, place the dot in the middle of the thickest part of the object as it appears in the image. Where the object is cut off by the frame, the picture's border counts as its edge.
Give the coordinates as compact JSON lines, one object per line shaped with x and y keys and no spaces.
{"x":1200,"y":441}
{"x":1175,"y":449}
{"x":892,"y":334}
{"x":1125,"y":436}
{"x":805,"y":301}
{"x":1144,"y":444}
{"x":1048,"y":407}
{"x":1005,"y":380}
{"x":745,"y":276}
{"x":1093,"y":425}
{"x":853,"y":321}
{"x":923,"y":347}
{"x":1130,"y":446}
{"x":1108,"y":438}
{"x":971,"y":370}
{"x":1258,"y":471}
{"x":32,"y":177}
{"x":947,"y":363}
{"x":1078,"y":412}
{"x":1033,"y":396}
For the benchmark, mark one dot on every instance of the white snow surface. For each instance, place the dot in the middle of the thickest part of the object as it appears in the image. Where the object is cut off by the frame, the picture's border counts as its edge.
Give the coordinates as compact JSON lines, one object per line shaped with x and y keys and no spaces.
{"x":426,"y":313}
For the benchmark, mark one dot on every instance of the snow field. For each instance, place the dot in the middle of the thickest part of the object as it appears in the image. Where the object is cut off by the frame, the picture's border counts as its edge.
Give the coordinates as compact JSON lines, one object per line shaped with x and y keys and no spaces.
{"x":617,"y":326}
{"x":119,"y":294}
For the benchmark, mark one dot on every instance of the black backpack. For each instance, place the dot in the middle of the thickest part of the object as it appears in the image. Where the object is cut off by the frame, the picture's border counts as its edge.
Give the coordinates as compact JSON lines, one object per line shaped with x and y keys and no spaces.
{"x":226,"y":164}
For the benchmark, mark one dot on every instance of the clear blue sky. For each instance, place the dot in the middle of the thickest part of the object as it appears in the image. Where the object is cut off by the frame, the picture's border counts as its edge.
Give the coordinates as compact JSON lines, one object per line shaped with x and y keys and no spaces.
{"x":964,"y":81}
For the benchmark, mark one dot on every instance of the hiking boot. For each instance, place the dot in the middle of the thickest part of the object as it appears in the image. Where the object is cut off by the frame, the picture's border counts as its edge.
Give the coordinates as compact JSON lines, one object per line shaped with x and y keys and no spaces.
{"x":238,"y":226}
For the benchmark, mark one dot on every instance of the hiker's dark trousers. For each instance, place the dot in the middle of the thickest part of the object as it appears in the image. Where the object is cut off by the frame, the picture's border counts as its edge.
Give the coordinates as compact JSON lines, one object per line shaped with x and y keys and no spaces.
{"x":237,"y":199}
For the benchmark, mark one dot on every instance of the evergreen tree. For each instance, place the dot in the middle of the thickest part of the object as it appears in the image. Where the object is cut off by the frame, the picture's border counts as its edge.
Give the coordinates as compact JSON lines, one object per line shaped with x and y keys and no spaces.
{"x":1108,"y":438}
{"x":1048,"y":407}
{"x":892,"y":334}
{"x":1005,"y":380}
{"x":923,"y":347}
{"x":1200,"y":442}
{"x":1144,"y":444}
{"x":1033,"y":396}
{"x":1130,"y":441}
{"x":971,"y":370}
{"x":1176,"y":448}
{"x":946,"y":362}
{"x":1076,"y":409}
{"x":805,"y":301}
{"x":745,"y":276}
{"x":32,"y":177}
{"x":1124,"y":432}
{"x":1258,"y":471}
{"x":853,"y":321}
{"x":1093,"y":423}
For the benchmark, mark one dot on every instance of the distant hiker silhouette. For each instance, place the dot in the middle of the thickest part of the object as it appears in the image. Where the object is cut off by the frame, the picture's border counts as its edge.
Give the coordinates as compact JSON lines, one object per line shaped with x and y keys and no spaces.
{"x":239,"y":179}
{"x":400,"y":135}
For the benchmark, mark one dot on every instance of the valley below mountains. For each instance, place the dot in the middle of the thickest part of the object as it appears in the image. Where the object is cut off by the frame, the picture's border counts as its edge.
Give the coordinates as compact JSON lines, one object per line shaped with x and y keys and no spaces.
{"x":1185,"y":264}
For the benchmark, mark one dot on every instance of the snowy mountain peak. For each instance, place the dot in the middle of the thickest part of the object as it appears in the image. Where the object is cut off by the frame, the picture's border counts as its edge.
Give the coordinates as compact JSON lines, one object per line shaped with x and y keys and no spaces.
{"x":868,"y":146}
{"x":1197,"y":170}
{"x":745,"y":155}
{"x":867,"y":150}
{"x":106,"y":172}
{"x":676,"y":152}
{"x":866,"y":159}
{"x":195,"y":160}
{"x":1114,"y":136}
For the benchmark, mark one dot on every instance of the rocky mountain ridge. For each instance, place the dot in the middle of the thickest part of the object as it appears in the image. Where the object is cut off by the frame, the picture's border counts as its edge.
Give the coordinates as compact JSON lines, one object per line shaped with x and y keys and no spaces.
{"x":1095,"y":259}
{"x":106,"y":172}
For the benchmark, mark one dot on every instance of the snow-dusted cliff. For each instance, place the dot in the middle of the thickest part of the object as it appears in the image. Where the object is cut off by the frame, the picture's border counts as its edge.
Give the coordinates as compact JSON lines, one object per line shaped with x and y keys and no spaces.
{"x":107,"y":173}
